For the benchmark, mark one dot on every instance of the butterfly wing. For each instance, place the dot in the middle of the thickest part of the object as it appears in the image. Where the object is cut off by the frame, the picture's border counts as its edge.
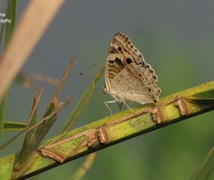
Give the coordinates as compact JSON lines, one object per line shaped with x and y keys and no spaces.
{"x":127,"y":76}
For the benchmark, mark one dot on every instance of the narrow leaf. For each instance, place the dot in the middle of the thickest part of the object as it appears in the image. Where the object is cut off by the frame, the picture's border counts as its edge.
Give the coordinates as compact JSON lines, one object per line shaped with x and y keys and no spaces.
{"x":81,"y":104}
{"x":28,"y":144}
{"x":33,"y":138}
{"x":13,"y":126}
{"x":84,"y":167}
{"x":206,"y":169}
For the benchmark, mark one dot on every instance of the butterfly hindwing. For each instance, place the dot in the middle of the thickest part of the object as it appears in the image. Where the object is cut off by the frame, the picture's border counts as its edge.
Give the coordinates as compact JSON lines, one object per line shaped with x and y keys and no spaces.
{"x":127,"y":76}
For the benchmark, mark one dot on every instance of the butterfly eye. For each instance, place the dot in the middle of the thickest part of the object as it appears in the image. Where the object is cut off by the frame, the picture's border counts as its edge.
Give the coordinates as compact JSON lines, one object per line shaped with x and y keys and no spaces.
{"x":128,"y":61}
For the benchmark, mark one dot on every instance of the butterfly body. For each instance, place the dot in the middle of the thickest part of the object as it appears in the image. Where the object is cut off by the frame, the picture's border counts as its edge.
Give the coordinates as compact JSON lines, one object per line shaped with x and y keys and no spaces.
{"x":127,"y":76}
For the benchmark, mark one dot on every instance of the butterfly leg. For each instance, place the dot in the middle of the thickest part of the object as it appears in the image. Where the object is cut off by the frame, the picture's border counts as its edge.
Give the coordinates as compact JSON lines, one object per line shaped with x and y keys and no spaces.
{"x":129,"y":108}
{"x":109,"y":102}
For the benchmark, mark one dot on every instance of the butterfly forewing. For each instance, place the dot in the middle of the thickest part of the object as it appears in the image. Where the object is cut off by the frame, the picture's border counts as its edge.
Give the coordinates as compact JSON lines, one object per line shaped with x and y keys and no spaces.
{"x":127,"y":76}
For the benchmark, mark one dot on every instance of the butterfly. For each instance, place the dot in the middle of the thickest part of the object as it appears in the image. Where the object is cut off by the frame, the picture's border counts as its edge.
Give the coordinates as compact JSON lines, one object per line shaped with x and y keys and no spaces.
{"x":127,"y":76}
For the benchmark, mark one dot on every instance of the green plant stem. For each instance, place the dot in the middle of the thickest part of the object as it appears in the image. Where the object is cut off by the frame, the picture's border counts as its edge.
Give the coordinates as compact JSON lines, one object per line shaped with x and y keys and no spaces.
{"x":119,"y":127}
{"x":10,"y":14}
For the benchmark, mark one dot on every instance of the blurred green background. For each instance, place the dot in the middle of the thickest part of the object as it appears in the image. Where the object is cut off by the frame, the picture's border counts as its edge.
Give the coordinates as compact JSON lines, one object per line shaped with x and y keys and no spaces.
{"x":175,"y":37}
